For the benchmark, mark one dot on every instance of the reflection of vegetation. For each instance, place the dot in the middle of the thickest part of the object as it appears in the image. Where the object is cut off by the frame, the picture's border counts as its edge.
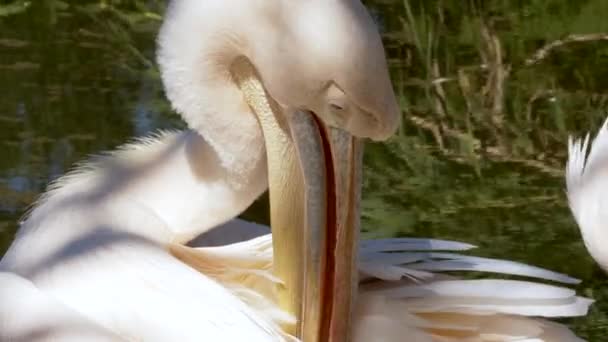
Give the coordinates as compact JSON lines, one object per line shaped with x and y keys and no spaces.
{"x":78,"y":77}
{"x":501,"y":82}
{"x":14,"y":8}
{"x":494,"y":82}
{"x":113,"y":26}
{"x":489,"y":89}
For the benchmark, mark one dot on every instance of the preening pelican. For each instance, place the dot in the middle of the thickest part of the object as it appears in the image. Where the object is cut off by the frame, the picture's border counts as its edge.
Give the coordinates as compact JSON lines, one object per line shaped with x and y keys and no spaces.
{"x":277,"y":95}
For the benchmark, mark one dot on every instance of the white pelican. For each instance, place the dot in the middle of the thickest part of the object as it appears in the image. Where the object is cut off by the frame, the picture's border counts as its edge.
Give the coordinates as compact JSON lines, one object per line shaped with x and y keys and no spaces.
{"x":587,"y":188}
{"x":273,"y":92}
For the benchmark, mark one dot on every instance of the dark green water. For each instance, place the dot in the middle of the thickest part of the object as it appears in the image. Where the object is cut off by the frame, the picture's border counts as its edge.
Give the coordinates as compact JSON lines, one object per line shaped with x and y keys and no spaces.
{"x":78,"y":78}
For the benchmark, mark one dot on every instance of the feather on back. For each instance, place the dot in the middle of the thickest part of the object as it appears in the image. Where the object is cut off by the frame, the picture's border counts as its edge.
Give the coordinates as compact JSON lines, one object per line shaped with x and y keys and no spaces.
{"x":587,"y":188}
{"x":405,"y":296}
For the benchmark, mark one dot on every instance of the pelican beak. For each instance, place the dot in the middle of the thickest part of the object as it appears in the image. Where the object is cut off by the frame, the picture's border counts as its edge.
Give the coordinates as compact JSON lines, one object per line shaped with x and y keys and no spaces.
{"x":315,"y":249}
{"x":314,"y":175}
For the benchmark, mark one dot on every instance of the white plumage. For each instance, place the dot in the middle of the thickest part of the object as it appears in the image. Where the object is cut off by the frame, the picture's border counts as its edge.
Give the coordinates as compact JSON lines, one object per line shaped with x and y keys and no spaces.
{"x":404,"y":292}
{"x":130,"y":285}
{"x":97,"y":243}
{"x":102,"y":255}
{"x":587,"y":183}
{"x":28,"y":314}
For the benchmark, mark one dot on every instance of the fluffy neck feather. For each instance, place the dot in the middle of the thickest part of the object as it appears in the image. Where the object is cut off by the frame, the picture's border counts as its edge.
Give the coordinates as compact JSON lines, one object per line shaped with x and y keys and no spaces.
{"x":197,"y":45}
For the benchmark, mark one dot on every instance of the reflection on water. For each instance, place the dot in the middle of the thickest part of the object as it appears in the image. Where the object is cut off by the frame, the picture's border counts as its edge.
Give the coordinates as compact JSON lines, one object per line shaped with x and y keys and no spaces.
{"x":474,"y":162}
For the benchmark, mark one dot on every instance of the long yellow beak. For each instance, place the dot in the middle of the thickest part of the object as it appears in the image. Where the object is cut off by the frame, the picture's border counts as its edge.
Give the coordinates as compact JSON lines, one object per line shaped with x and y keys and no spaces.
{"x":314,"y":175}
{"x":329,"y":160}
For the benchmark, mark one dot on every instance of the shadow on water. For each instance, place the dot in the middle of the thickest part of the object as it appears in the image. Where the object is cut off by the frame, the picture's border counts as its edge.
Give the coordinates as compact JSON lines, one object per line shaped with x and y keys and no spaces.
{"x":489,"y":91}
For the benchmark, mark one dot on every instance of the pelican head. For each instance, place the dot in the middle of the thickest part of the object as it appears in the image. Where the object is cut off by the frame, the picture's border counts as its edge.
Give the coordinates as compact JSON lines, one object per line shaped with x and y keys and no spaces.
{"x":295,"y":85}
{"x":327,"y":57}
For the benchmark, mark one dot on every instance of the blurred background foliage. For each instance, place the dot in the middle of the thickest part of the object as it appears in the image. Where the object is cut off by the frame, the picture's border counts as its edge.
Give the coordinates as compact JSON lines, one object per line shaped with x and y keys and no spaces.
{"x":490,"y":91}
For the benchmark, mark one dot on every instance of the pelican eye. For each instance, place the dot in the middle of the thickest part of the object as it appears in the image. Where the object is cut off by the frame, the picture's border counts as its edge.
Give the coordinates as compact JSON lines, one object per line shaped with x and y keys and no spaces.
{"x":336,"y":107}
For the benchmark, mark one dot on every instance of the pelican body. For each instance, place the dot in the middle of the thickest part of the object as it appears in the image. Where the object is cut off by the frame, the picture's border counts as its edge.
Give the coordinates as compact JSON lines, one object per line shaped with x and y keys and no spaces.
{"x":274,"y":93}
{"x":278,"y":95}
